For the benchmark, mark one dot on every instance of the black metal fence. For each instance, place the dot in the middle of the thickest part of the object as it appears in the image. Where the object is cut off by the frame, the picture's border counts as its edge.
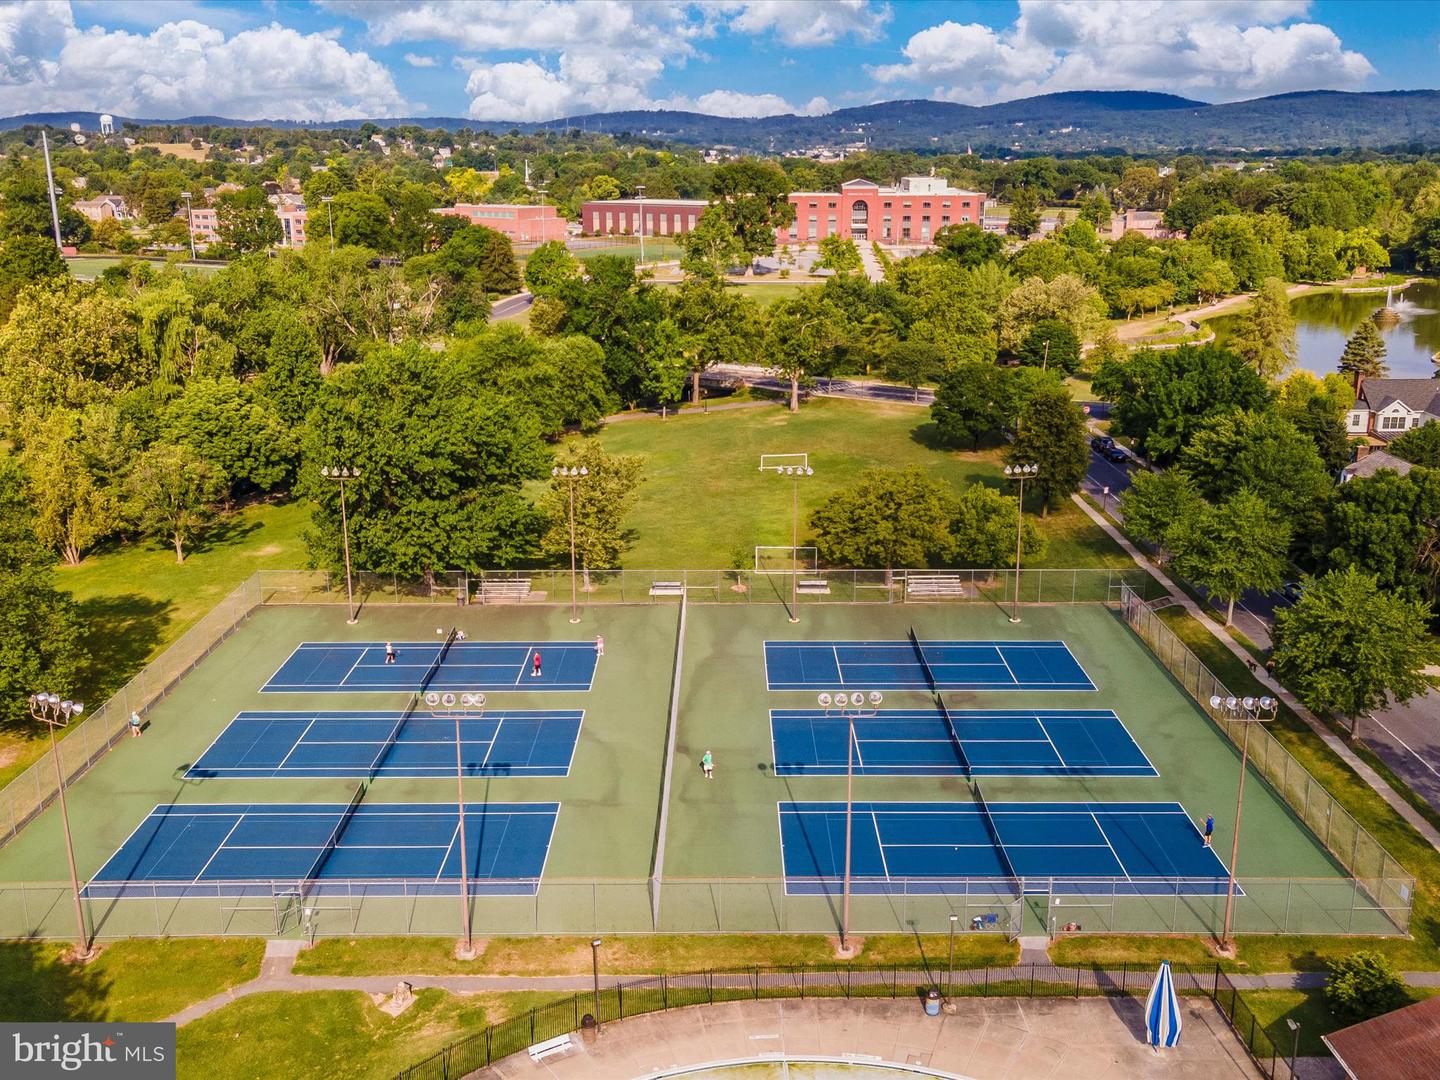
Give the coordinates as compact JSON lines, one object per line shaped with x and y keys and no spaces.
{"x":632,"y":998}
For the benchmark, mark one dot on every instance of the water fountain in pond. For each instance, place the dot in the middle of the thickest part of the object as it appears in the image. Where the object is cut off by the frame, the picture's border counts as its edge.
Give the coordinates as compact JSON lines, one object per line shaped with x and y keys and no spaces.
{"x":1397,"y":309}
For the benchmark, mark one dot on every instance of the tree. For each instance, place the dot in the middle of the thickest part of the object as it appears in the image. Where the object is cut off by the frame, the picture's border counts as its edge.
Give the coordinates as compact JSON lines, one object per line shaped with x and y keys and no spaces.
{"x":1096,"y":209}
{"x":289,"y":377}
{"x":1051,"y":343}
{"x":711,"y":248}
{"x":173,"y":493}
{"x":1419,"y":446}
{"x":72,"y":506}
{"x":1362,"y":986}
{"x":24,"y":260}
{"x":839,"y":253}
{"x":1238,"y":545}
{"x":603,"y":500}
{"x":442,"y":461}
{"x":1364,"y":355}
{"x":1024,"y":214}
{"x":1066,"y":298}
{"x":802,"y":334}
{"x":717,"y":326}
{"x":914,"y":363}
{"x":1156,"y":503}
{"x":246,"y":222}
{"x":1051,"y":434}
{"x":968,"y":244}
{"x":549,"y":268}
{"x":1265,"y":335}
{"x":1348,"y":647}
{"x":224,"y":422}
{"x":559,"y":380}
{"x":623,"y":314}
{"x":361,"y":219}
{"x":1380,"y":524}
{"x":887,"y":518}
{"x":754,"y":197}
{"x":971,"y":402}
{"x":982,"y":528}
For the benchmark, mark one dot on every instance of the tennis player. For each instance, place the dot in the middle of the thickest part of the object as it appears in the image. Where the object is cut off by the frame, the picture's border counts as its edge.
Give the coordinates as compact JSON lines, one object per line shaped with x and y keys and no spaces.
{"x":707,"y":765}
{"x":535,"y":669}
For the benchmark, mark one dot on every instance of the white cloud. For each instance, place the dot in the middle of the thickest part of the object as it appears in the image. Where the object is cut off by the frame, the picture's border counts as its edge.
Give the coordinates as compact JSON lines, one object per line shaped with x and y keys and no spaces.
{"x":415,"y":60}
{"x":1224,"y":51}
{"x":739,"y":103}
{"x":185,"y":68}
{"x":807,"y":22}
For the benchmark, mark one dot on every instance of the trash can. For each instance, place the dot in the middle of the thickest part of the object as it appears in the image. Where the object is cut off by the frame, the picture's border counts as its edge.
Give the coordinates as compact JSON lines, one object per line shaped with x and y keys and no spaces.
{"x":932,"y":1002}
{"x":587,"y":1029}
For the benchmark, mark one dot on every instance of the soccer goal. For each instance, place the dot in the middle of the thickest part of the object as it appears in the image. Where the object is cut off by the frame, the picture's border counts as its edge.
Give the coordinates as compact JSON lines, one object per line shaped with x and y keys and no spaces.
{"x":784,"y":559}
{"x":786,"y":464}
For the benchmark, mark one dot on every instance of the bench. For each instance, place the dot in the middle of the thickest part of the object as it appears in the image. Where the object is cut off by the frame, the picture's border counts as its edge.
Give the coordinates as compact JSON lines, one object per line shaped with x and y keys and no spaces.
{"x":813,"y":586}
{"x":936,"y":585}
{"x":509,"y":589}
{"x":558,"y":1045}
{"x":667,"y":588}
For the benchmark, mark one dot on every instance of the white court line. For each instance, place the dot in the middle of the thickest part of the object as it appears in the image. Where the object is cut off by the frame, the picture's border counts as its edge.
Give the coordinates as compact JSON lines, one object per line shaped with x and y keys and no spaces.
{"x":1118,"y":861}
{"x":879,"y":843}
{"x":296,"y":744}
{"x":220,"y":847}
{"x":360,"y":656}
{"x":839,"y":671}
{"x":451,"y":846}
{"x":1000,"y":652}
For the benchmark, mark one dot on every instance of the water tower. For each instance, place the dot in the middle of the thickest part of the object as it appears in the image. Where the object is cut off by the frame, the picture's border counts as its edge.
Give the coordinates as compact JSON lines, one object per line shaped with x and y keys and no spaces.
{"x":107,"y":124}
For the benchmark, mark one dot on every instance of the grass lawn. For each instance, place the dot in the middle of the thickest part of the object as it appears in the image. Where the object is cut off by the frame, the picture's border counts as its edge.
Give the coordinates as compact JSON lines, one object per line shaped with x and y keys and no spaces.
{"x":131,"y":980}
{"x":307,"y":1036}
{"x":1307,"y":1008}
{"x":134,"y":599}
{"x":92,"y":266}
{"x":705,"y":501}
{"x":656,"y":955}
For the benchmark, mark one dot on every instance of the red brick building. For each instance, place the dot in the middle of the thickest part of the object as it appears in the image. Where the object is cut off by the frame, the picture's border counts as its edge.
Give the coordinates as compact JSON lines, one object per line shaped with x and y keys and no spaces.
{"x":522,"y":224}
{"x":863,"y":210}
{"x":663,"y":217}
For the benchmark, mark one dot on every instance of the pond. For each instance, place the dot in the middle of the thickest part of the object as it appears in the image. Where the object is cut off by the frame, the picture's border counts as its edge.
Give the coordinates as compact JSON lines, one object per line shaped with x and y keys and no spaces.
{"x":1324,"y":321}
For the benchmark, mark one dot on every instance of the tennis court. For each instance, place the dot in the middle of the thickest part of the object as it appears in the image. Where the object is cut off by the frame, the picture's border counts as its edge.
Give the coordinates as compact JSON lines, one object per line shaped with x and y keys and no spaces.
{"x":222,"y":847}
{"x":362,"y":744}
{"x":1146,"y":849}
{"x":330,"y":667}
{"x":935,"y":742}
{"x":923,"y":665}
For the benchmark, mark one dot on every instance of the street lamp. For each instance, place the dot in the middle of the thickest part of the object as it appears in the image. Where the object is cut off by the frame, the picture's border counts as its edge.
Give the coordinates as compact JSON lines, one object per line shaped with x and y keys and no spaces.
{"x":341,"y":474}
{"x":571,"y":476}
{"x":329,"y":217}
{"x":1019,"y":473}
{"x":1294,"y":1027}
{"x":852,"y":706}
{"x":189,"y":222}
{"x":640,"y":199}
{"x":1248,"y":710}
{"x":469,"y":705}
{"x":795,"y":472}
{"x":52,"y":711}
{"x":950,"y":968}
{"x":595,"y":968}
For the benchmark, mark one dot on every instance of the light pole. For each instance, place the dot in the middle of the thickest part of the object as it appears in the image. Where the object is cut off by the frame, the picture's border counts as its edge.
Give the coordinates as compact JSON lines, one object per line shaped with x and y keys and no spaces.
{"x":52,"y":711}
{"x":852,"y":706}
{"x":1019,"y":473}
{"x":571,"y":476}
{"x":469,"y":705}
{"x":329,"y":217}
{"x":950,"y":967}
{"x":640,"y":199}
{"x":795,"y":471}
{"x":1252,"y":715}
{"x":341,"y":474}
{"x":50,"y":190}
{"x":189,"y":222}
{"x":595,"y":968}
{"x":1294,"y":1027}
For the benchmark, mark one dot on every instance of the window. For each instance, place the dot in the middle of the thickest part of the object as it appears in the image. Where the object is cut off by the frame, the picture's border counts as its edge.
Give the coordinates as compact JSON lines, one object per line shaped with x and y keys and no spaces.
{"x":831,"y":205}
{"x":887,"y":206}
{"x":692,"y":221}
{"x":811,"y":235}
{"x":1393,"y":423}
{"x":649,"y":223}
{"x":608,"y":221}
{"x":664,"y":224}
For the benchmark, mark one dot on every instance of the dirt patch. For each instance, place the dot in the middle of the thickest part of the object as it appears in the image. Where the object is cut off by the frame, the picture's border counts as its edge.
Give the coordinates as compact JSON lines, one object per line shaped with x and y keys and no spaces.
{"x":268,"y":549}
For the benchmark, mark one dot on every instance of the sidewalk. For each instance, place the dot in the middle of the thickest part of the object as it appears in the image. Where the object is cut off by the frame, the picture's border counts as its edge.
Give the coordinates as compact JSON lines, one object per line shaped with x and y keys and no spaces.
{"x":1331,"y":740}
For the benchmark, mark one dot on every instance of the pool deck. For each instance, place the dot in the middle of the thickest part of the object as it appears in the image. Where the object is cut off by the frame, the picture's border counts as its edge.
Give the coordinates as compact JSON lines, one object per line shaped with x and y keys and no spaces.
{"x":986,"y":1039}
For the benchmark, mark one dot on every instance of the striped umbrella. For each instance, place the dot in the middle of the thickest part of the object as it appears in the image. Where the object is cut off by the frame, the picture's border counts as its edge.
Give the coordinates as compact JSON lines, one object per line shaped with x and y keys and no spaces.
{"x":1162,"y":1010}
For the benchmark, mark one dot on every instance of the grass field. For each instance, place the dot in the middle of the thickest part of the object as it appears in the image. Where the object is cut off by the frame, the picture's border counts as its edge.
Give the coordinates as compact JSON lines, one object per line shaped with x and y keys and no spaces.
{"x":92,"y":266}
{"x":1309,"y":1009}
{"x":704,"y":499}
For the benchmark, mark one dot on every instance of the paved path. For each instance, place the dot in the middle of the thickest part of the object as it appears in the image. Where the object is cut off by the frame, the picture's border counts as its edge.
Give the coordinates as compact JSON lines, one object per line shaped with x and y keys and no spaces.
{"x":1333,"y":741}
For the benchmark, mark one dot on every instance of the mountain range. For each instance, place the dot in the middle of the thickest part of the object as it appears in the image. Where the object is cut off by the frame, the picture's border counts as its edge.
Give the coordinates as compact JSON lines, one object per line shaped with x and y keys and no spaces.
{"x":1071,"y":122}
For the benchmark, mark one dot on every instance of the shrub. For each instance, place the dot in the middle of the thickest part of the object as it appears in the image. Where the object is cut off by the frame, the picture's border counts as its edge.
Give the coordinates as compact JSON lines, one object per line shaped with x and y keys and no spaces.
{"x":1363,"y":985}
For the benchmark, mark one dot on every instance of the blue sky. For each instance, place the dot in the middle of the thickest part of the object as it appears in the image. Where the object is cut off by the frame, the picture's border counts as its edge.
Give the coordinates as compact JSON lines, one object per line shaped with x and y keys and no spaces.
{"x":539,"y":59}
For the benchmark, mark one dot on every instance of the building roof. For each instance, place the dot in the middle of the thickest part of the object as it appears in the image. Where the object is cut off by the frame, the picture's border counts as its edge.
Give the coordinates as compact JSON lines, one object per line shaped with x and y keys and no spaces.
{"x":1373,"y":462}
{"x":655,"y":202}
{"x":1418,"y":395}
{"x":1402,"y":1045}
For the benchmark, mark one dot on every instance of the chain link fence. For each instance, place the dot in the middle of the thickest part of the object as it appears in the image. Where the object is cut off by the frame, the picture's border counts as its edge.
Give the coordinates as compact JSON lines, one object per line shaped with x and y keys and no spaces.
{"x":1386,"y":885}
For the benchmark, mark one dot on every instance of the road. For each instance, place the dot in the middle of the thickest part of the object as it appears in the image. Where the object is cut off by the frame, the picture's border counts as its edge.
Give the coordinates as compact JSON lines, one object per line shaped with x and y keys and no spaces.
{"x":508,"y":307}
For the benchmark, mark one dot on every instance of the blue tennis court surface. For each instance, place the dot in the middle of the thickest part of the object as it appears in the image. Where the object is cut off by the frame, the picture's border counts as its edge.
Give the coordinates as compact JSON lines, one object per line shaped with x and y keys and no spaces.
{"x":328,"y":667}
{"x":355,"y":744}
{"x":222,"y":847}
{"x":1139,"y":849}
{"x":895,"y":665}
{"x":919,"y":742}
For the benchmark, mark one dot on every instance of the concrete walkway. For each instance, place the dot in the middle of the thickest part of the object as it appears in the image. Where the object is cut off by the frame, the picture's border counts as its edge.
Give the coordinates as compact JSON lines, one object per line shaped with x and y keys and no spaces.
{"x":1332,"y":740}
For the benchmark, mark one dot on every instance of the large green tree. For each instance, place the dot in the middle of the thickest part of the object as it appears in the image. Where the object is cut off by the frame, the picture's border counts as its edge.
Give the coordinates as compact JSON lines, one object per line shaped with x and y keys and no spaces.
{"x":1052,"y":435}
{"x":1382,"y":525}
{"x":225,"y":422}
{"x":802,"y":335}
{"x":1419,"y":446}
{"x":603,"y":500}
{"x":711,"y":248}
{"x":549,"y":268}
{"x":1265,"y":334}
{"x":1051,"y":343}
{"x":753,"y":197}
{"x":24,"y":260}
{"x":173,"y":494}
{"x":1024,"y":214}
{"x":70,"y":464}
{"x":1237,"y":545}
{"x":1364,"y":355}
{"x":968,"y":244}
{"x":886,"y":518}
{"x":1156,"y":503}
{"x":1348,"y":647}
{"x":716,"y":326}
{"x":983,"y":525}
{"x":246,"y":222}
{"x":972,"y":402}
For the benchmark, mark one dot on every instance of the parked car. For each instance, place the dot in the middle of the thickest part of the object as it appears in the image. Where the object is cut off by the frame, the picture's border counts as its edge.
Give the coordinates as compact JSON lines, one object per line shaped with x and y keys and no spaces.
{"x":1292,"y":590}
{"x":1101,"y":443}
{"x":1116,"y":454}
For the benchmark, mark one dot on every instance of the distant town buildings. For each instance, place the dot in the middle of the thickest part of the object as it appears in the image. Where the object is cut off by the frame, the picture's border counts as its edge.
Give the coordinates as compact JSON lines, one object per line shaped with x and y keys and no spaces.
{"x":862,"y":210}
{"x":663,"y":217}
{"x":1387,"y":408}
{"x":102,"y":207}
{"x":522,"y":224}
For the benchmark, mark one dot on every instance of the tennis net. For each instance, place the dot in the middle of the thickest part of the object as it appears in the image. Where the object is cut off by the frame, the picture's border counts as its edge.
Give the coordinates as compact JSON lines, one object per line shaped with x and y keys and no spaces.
{"x":413,"y":704}
{"x":994,"y":832}
{"x":313,"y":876}
{"x":940,"y":704}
